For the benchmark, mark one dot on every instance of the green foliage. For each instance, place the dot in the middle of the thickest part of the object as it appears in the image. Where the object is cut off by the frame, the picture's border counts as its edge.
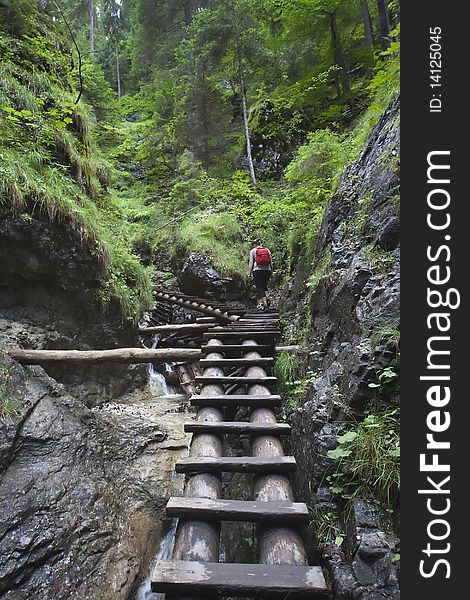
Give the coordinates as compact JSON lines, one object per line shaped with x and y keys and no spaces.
{"x":49,"y":162}
{"x":368,"y":459}
{"x":323,"y":523}
{"x":293,"y":381}
{"x":319,"y":273}
{"x":10,"y":406}
{"x":217,"y":236}
{"x":321,"y":159}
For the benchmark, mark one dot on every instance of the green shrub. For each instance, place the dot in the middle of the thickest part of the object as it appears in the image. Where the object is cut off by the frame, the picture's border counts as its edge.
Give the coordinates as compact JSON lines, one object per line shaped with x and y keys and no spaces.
{"x":368,"y":459}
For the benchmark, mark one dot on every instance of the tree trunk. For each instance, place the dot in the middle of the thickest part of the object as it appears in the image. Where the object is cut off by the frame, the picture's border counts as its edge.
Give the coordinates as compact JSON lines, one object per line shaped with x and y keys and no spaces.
{"x":188,"y":11}
{"x":117,"y":355}
{"x":368,"y":31}
{"x":384,"y":23}
{"x":205,"y":118}
{"x":91,"y":16}
{"x":247,"y":133}
{"x":339,"y":55}
{"x":118,"y":70}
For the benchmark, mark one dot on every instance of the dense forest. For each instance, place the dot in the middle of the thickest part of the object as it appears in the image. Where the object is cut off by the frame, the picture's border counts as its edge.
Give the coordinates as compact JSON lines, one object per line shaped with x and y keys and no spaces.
{"x":123,"y":117}
{"x":138,"y":135}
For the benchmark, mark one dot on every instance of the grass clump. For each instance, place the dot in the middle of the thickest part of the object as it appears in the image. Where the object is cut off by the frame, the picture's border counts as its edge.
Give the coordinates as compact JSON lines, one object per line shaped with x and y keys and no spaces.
{"x":293,"y":382}
{"x":368,"y":459}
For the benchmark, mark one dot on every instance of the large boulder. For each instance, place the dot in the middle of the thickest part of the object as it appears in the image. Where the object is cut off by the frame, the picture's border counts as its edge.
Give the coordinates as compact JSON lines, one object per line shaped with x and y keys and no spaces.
{"x":197,"y":276}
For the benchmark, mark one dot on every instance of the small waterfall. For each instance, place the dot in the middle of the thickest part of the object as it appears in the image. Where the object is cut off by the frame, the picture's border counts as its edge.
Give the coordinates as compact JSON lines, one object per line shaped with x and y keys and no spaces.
{"x":164,"y":553}
{"x":158,"y":384}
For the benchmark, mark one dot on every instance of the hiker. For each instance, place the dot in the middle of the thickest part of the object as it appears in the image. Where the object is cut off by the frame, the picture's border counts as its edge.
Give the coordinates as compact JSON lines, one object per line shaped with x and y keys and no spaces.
{"x":261,"y":267}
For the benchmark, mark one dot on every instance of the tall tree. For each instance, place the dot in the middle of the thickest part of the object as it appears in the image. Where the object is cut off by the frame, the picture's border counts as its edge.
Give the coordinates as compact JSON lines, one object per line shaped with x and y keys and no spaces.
{"x":384,"y":23}
{"x":91,"y":19}
{"x":368,"y":31}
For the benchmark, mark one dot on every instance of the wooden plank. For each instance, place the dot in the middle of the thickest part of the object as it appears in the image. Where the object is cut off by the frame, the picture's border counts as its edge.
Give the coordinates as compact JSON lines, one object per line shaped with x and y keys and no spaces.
{"x":206,"y":379}
{"x":116,"y":355}
{"x":234,"y":579}
{"x":226,"y":348}
{"x":234,"y":362}
{"x":254,"y":328}
{"x":266,"y":401}
{"x":237,"y":510}
{"x":238,"y":427}
{"x":239,"y":334}
{"x":176,"y":327}
{"x":236,"y":464}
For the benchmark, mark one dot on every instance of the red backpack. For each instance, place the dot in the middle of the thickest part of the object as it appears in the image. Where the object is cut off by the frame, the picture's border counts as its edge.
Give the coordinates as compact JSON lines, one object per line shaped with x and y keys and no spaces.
{"x":263,"y":257}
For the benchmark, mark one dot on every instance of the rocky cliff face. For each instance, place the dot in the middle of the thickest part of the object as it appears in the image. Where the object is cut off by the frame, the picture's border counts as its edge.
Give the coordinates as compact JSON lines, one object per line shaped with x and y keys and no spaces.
{"x":82,"y":491}
{"x":353,"y":308}
{"x":48,"y":278}
{"x":84,"y":475}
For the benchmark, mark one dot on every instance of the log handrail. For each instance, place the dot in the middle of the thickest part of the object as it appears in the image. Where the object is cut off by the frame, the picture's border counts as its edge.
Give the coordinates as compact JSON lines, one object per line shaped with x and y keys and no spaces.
{"x":200,"y":305}
{"x":116,"y":355}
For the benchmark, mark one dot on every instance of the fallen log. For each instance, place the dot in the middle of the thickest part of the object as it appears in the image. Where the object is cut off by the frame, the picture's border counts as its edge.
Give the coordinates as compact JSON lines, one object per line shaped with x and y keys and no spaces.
{"x":117,"y":355}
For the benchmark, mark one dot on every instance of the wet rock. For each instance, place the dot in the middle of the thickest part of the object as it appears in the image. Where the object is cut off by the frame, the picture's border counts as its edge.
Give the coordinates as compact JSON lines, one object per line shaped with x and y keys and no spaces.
{"x":82,"y":491}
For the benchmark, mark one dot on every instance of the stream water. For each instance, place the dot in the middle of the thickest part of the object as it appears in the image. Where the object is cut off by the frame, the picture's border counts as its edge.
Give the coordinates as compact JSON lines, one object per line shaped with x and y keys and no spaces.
{"x":164,"y":553}
{"x":165,"y":402}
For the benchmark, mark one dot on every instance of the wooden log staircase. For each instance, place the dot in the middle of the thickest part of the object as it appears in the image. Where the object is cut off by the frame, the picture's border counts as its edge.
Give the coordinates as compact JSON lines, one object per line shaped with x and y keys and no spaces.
{"x":237,"y":357}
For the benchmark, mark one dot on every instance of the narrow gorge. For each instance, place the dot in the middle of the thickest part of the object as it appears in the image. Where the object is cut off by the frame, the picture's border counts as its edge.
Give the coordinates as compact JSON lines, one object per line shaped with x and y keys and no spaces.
{"x":144,"y":144}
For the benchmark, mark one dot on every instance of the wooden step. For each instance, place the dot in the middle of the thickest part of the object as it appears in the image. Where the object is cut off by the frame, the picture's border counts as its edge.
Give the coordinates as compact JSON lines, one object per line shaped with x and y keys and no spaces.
{"x":207,"y":379}
{"x":226,"y":348}
{"x":236,"y":510}
{"x":242,"y":327}
{"x":237,"y":427}
{"x":236,"y":464}
{"x":261,"y":401}
{"x":235,"y":579}
{"x":239,"y":334}
{"x":235,"y":362}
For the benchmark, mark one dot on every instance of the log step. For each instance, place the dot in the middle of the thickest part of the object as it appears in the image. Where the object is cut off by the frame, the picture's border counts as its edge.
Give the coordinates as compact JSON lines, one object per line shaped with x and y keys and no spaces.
{"x":236,"y":510}
{"x":207,"y":379}
{"x":237,"y":427}
{"x":236,"y":464}
{"x":264,"y":348}
{"x":254,"y":328}
{"x":234,"y":579}
{"x":238,"y":334}
{"x":261,"y":401}
{"x":242,"y":362}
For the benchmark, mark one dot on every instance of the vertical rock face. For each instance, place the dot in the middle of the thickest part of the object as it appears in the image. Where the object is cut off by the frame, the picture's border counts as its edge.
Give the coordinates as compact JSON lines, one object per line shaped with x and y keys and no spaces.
{"x":354,"y":310}
{"x":83,"y":482}
{"x":48,"y":279}
{"x":82,"y":491}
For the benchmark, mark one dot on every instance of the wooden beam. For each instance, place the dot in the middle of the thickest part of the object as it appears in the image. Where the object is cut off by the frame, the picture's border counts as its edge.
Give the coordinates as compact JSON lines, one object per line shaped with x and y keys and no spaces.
{"x":237,"y":348}
{"x":236,"y":362}
{"x":236,"y":464}
{"x":233,"y":579}
{"x":175,"y":327}
{"x":236,"y":510}
{"x":239,"y":334}
{"x":238,"y":427}
{"x":204,"y":379}
{"x":237,"y":400}
{"x":116,"y":355}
